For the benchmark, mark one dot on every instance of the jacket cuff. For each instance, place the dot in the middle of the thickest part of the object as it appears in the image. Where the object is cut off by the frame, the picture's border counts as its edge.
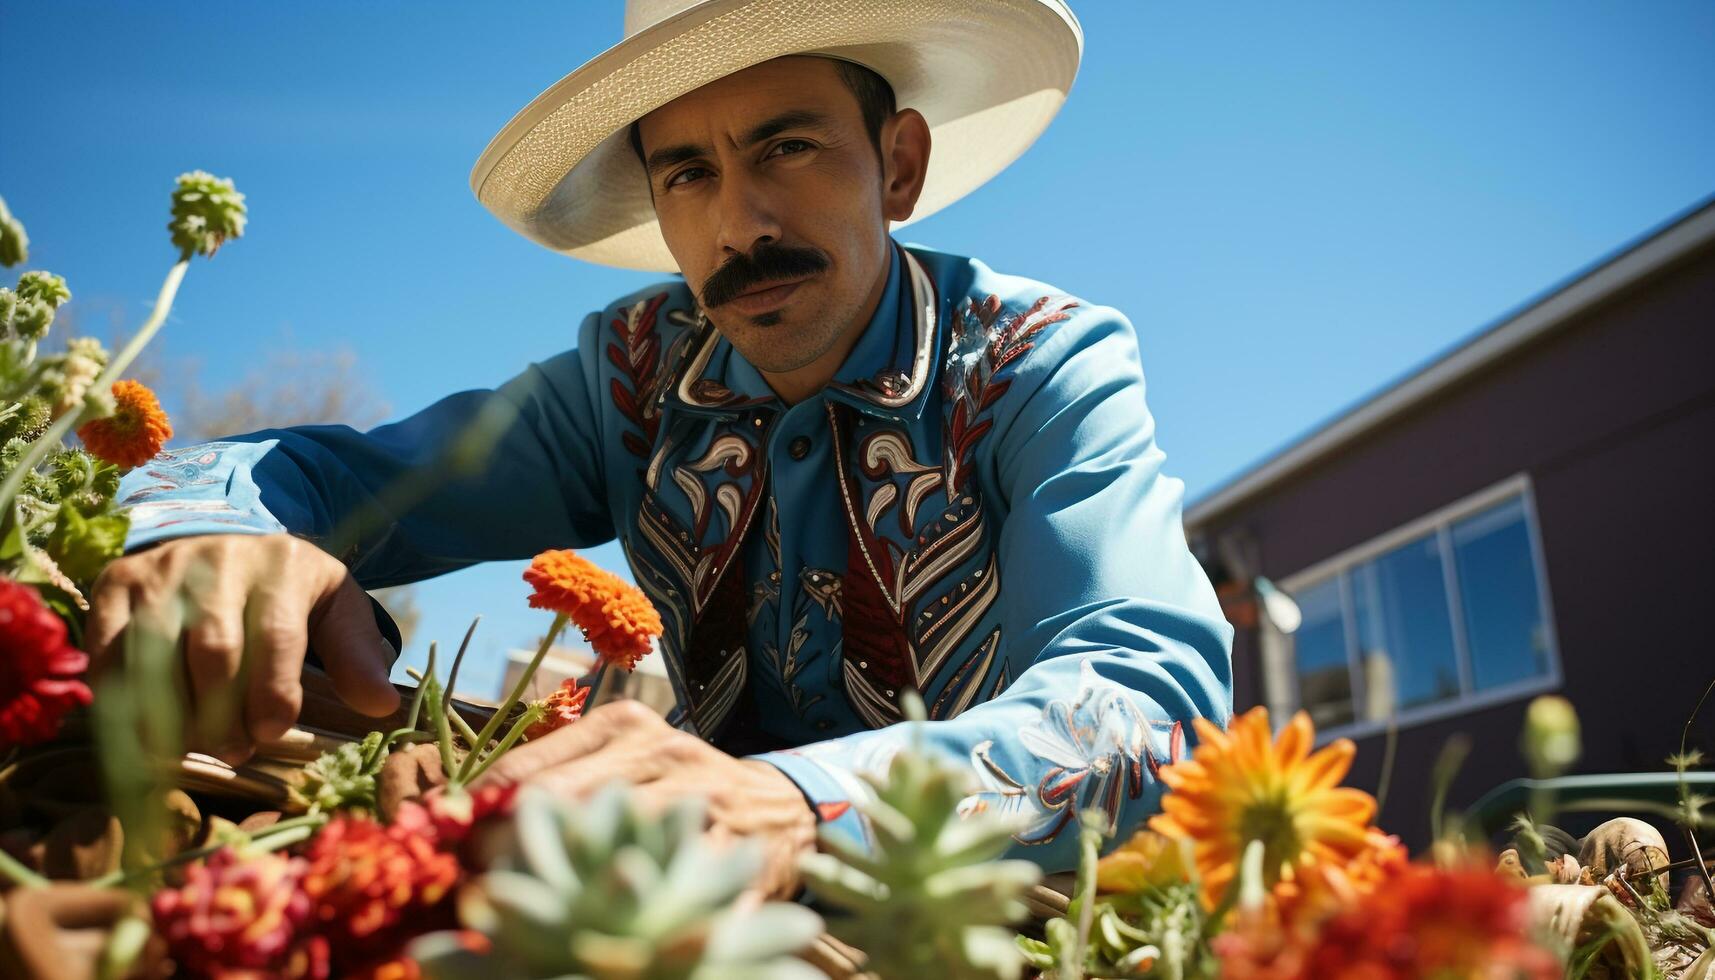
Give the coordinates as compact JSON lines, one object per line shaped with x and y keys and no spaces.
{"x":830,"y":801}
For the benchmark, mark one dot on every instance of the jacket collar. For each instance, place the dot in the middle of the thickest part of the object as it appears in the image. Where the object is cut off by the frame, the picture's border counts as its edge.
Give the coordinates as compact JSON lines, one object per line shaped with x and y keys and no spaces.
{"x":887,"y":374}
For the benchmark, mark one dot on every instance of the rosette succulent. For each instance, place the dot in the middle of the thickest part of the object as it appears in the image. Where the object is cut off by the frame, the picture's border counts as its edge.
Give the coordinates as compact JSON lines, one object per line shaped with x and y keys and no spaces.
{"x":602,"y":891}
{"x":929,"y":898}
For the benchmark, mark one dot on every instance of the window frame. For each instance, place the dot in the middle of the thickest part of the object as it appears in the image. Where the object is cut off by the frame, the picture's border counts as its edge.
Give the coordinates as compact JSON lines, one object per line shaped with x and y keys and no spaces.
{"x":1279,"y":667}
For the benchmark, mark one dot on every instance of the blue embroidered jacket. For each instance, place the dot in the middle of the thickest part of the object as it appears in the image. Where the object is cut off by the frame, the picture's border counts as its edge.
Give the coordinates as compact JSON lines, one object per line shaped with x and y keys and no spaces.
{"x":974,"y":509}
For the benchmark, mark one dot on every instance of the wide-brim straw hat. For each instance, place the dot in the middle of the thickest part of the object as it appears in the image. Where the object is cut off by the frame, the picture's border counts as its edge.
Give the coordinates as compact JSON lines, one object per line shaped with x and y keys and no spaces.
{"x":988,"y":75}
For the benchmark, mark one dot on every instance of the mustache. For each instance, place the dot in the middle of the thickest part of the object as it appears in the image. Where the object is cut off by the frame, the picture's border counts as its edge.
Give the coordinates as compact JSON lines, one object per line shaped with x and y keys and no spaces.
{"x":762,"y":265}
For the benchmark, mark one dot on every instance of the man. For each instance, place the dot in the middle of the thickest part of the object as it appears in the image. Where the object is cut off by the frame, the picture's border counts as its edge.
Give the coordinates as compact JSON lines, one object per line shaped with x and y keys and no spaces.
{"x":843,"y":470}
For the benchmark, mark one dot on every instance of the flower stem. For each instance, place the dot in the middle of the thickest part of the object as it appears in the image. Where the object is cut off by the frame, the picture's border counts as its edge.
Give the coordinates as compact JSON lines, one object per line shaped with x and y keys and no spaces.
{"x":517,"y":695}
{"x":270,"y":838}
{"x":44,"y":444}
{"x":13,"y":870}
{"x":531,"y":716}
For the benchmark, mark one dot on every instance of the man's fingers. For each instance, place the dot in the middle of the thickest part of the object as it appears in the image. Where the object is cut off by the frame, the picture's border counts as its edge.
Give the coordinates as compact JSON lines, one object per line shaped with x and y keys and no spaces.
{"x":109,"y":611}
{"x":352,"y":650}
{"x":276,"y":630}
{"x":214,"y":659}
{"x":581,"y":778}
{"x":591,"y":733}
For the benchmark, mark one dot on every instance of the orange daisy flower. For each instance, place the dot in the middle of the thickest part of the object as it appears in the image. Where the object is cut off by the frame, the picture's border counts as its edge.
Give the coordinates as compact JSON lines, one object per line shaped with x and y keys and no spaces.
{"x":618,"y":620}
{"x":1241,"y":786}
{"x":134,"y":433}
{"x":1148,"y":860}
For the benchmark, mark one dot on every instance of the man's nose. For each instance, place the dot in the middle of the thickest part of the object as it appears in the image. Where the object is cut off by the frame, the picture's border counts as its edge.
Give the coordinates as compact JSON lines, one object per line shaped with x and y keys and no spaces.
{"x":746,"y":217}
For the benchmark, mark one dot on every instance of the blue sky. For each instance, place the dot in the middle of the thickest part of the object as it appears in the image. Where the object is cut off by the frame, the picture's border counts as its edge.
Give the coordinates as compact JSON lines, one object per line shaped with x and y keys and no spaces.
{"x":1293,"y":203}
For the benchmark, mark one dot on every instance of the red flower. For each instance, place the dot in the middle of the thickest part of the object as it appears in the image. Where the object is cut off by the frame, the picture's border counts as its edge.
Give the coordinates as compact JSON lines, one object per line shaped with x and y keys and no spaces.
{"x":447,"y":819}
{"x":1464,"y":924}
{"x":39,"y":680}
{"x":235,"y":915}
{"x":561,"y":708}
{"x":615,"y":617}
{"x":372,"y":887}
{"x":134,"y":433}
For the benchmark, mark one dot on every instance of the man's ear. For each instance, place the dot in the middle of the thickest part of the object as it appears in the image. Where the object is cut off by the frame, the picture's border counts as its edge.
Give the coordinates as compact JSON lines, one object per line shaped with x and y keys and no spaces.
{"x":905,"y":163}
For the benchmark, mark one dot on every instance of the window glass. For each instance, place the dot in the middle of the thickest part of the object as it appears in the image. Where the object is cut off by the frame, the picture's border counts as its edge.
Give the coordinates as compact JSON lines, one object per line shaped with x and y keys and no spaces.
{"x":1319,"y":652}
{"x":1498,"y":590}
{"x":1405,"y":635}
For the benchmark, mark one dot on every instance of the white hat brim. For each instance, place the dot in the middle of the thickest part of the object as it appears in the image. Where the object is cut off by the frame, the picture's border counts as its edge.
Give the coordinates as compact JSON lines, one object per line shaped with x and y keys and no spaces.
{"x":988,"y":75}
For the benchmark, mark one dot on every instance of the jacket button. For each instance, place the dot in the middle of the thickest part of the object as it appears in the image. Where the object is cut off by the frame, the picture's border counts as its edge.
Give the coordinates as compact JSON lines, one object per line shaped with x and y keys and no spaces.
{"x":798,"y":448}
{"x":824,"y":725}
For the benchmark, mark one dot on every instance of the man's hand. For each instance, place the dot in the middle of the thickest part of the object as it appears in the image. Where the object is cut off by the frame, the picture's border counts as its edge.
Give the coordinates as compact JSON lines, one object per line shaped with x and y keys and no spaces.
{"x":626,"y":742}
{"x":247,"y":606}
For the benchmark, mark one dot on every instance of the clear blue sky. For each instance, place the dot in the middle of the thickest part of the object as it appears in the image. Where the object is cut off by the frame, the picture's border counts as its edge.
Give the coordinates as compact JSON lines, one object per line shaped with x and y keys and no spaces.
{"x":1295,"y":203}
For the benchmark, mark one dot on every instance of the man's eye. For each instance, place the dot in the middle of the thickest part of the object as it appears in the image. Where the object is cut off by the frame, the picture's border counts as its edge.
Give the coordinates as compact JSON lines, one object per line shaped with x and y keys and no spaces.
{"x":678,"y":178}
{"x":801,"y":145}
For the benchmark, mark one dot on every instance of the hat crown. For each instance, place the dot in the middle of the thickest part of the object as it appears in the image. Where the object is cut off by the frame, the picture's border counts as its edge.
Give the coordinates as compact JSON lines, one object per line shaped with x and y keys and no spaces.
{"x":640,"y":15}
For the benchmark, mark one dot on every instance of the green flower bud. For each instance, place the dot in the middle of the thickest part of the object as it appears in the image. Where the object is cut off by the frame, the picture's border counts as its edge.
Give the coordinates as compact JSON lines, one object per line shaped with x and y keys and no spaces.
{"x":88,"y":349}
{"x":12,"y":451}
{"x":1551,"y":740}
{"x":98,"y":403}
{"x":31,"y":420}
{"x":33,"y":319}
{"x":8,"y":306}
{"x":207,"y":210}
{"x":14,"y":244}
{"x":72,"y":470}
{"x":43,"y":286}
{"x":105,"y":484}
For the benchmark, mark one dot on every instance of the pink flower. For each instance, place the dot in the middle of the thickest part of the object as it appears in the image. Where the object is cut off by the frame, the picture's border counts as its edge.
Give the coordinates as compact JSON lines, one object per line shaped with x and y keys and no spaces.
{"x":235,"y":914}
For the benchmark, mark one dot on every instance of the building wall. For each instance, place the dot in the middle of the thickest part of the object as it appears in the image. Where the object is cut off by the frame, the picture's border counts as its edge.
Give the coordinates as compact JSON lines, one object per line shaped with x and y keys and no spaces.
{"x":1613,"y":418}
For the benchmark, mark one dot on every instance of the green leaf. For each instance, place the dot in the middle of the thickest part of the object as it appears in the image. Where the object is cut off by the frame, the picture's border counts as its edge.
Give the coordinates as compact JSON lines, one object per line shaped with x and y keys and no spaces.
{"x":82,"y":546}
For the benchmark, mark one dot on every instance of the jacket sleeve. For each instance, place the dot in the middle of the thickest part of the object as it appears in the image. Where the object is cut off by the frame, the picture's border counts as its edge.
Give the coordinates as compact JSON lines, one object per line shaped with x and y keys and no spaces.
{"x":477,"y":476}
{"x":1115,"y":634}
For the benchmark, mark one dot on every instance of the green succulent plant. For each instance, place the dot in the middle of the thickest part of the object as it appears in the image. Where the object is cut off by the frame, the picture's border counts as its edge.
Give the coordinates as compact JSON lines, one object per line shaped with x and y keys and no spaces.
{"x":602,"y":891}
{"x":343,"y":779}
{"x":930,"y":898}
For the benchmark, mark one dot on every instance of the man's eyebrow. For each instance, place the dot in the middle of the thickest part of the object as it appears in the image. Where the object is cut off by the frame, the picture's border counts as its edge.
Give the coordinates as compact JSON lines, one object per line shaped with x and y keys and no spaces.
{"x":669,"y":156}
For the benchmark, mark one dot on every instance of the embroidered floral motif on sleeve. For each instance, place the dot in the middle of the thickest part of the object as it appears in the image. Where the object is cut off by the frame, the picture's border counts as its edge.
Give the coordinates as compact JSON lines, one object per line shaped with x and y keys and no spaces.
{"x":1097,"y":750}
{"x":983,"y":344}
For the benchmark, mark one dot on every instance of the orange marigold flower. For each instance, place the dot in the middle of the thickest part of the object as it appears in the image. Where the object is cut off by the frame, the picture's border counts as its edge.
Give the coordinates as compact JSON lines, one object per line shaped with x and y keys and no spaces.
{"x":560,"y":708}
{"x":616,"y":618}
{"x":134,"y":433}
{"x":1241,"y":786}
{"x":1458,"y":924}
{"x":371,"y":886}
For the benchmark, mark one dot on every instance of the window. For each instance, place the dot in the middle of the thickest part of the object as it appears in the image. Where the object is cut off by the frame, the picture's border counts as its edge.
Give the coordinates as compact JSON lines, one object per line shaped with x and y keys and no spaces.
{"x":1443,"y":615}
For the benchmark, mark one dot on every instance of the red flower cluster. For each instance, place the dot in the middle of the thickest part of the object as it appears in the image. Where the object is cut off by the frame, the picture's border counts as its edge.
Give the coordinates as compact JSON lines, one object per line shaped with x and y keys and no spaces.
{"x":236,"y":916}
{"x":39,"y":672}
{"x":561,"y":708}
{"x":615,"y":617}
{"x":374,"y":886}
{"x":1462,"y":924}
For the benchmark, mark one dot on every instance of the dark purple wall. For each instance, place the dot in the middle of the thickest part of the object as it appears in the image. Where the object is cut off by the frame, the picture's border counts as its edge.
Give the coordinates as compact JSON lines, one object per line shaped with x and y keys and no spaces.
{"x":1613,"y":418}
